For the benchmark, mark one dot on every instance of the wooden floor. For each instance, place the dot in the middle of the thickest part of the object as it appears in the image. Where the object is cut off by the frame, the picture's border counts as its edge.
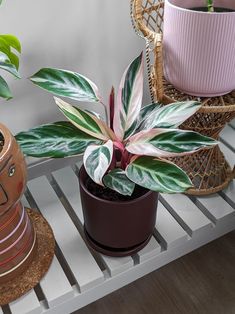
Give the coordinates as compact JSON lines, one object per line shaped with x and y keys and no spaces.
{"x":202,"y":282}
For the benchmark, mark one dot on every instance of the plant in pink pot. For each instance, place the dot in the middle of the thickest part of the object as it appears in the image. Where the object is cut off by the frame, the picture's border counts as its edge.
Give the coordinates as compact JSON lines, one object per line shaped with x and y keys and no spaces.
{"x":199,"y":49}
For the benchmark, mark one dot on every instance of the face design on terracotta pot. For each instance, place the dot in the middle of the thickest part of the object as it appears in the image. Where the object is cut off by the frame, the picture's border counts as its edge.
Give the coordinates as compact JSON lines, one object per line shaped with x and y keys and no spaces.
{"x":12,"y":175}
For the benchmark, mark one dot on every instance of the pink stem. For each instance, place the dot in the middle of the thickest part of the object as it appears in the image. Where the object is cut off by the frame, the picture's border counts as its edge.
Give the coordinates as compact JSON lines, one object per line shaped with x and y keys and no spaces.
{"x":111,"y":108}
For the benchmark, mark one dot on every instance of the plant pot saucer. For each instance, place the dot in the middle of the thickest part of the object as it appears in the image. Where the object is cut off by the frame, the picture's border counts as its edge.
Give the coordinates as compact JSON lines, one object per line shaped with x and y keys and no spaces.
{"x":114,"y":252}
{"x":15,"y":288}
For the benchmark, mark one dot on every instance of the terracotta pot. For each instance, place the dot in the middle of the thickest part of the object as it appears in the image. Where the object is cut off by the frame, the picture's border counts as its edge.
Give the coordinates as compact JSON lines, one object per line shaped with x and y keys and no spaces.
{"x":199,"y":50}
{"x":17,"y":236}
{"x":117,"y":228}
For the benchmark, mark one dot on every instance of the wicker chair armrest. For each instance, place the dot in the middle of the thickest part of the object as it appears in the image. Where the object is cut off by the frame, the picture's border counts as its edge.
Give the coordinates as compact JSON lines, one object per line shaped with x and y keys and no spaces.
{"x":157,"y":69}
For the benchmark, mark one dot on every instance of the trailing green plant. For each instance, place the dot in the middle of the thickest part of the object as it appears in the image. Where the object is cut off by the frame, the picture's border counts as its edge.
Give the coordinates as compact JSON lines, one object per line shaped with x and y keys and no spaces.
{"x":9,"y":61}
{"x":210,"y":5}
{"x":133,"y":149}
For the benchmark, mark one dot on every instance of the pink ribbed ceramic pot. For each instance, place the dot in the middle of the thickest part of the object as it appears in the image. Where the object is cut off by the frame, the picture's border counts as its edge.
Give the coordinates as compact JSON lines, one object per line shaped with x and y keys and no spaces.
{"x":199,"y":47}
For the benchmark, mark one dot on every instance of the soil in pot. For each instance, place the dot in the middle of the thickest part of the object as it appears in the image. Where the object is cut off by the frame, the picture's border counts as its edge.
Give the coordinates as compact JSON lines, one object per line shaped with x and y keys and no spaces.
{"x":217,"y":10}
{"x":111,"y":195}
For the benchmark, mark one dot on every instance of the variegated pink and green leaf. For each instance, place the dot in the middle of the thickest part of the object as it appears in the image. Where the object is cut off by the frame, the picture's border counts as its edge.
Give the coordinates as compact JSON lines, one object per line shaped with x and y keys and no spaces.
{"x":97,"y":159}
{"x":56,"y":140}
{"x":117,"y":180}
{"x":158,"y":175}
{"x":145,"y":112}
{"x":172,"y":115}
{"x":129,"y":100}
{"x":85,"y":121}
{"x":167,"y":142}
{"x":66,"y":83}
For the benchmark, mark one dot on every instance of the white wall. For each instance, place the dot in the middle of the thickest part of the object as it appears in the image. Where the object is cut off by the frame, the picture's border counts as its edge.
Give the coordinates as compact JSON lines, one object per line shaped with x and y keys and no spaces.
{"x":93,"y":37}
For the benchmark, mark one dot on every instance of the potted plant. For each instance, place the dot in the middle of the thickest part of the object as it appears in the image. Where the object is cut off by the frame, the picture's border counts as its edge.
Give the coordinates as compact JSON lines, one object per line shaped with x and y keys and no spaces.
{"x":17,"y":236}
{"x":199,"y":51}
{"x":123,"y":164}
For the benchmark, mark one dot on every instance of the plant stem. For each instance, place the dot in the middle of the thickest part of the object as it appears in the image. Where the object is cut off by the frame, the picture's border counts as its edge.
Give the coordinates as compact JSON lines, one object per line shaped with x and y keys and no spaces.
{"x":210,"y":5}
{"x":111,"y":108}
{"x":124,"y":160}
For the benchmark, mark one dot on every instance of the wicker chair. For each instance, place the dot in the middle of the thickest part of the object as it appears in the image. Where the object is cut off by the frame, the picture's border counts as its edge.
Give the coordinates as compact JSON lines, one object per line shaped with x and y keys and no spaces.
{"x":208,"y":169}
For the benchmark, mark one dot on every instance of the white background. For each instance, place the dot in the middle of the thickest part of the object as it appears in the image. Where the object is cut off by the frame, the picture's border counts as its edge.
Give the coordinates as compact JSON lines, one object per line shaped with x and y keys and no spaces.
{"x":92,"y":37}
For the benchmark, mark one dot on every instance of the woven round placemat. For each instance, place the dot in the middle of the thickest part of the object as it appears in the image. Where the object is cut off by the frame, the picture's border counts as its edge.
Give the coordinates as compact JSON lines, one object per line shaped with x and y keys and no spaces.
{"x":12,"y":290}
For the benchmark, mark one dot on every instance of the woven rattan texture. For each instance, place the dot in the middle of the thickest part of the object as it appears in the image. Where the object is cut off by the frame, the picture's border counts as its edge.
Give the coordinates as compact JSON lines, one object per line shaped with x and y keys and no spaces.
{"x":208,"y":169}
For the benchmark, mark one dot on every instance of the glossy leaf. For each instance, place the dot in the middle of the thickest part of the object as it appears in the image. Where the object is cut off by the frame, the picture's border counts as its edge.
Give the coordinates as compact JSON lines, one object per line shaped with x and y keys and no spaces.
{"x":56,"y":140}
{"x":117,"y":180}
{"x":168,"y":142}
{"x":97,"y":159}
{"x":96,"y":114}
{"x":4,"y":47}
{"x":12,"y":41}
{"x":148,"y":109}
{"x":145,"y":112}
{"x":172,"y":115}
{"x":14,"y":60}
{"x":4,"y":89}
{"x":66,"y":83}
{"x":158,"y":175}
{"x":129,"y":99}
{"x":83,"y":120}
{"x":6,"y":65}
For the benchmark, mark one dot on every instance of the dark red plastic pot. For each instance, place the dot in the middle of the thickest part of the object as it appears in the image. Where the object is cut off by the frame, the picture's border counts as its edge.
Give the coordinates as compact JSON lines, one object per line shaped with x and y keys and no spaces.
{"x":117,"y":228}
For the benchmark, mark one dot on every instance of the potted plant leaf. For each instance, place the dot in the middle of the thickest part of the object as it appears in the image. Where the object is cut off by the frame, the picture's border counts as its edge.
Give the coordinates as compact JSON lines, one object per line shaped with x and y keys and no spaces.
{"x":199,"y":50}
{"x":123,"y":165}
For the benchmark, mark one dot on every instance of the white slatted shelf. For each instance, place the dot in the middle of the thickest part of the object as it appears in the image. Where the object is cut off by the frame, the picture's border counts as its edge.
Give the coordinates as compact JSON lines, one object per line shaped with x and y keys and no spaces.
{"x":229,"y":192}
{"x":28,"y":304}
{"x":228,"y":137}
{"x":171,"y":233}
{"x":232,"y":123}
{"x":57,"y":291}
{"x":216,"y":208}
{"x":152,"y":249}
{"x":182,"y":225}
{"x":187,"y":213}
{"x":83,"y":265}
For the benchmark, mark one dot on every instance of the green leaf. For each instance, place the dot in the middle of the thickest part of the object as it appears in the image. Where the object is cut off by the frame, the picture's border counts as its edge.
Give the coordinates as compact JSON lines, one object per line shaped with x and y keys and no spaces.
{"x":4,"y":47}
{"x":12,"y":41}
{"x":172,"y":115}
{"x":97,"y":159}
{"x":7,"y":66}
{"x":14,"y":60}
{"x":4,"y":89}
{"x":56,"y":140}
{"x":158,"y":175}
{"x":168,"y":142}
{"x":82,"y":120}
{"x":117,"y":180}
{"x":66,"y":83}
